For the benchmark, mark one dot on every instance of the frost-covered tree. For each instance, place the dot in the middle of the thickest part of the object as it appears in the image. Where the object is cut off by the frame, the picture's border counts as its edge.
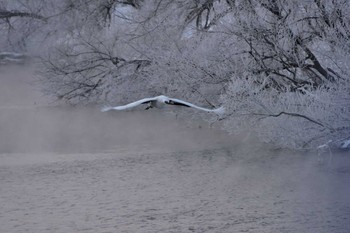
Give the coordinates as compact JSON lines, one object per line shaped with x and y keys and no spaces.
{"x":291,"y":78}
{"x":142,"y":49}
{"x":18,"y":21}
{"x":280,"y":67}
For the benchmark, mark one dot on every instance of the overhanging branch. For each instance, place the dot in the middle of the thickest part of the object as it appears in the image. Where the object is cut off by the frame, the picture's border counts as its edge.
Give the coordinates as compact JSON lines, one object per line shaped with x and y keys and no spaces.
{"x":291,"y":114}
{"x":4,"y":14}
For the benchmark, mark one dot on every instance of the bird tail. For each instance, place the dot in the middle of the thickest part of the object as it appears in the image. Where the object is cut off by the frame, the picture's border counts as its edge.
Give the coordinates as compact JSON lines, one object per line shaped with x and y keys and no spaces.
{"x":220,"y":111}
{"x":106,"y":108}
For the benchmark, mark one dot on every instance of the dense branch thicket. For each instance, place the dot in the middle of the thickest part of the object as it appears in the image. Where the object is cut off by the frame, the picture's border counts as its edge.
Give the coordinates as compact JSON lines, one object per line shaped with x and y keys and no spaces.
{"x":280,"y":67}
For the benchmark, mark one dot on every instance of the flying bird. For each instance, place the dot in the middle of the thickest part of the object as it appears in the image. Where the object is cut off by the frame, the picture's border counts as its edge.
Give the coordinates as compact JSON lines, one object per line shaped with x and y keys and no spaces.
{"x":345,"y":144}
{"x":159,"y":101}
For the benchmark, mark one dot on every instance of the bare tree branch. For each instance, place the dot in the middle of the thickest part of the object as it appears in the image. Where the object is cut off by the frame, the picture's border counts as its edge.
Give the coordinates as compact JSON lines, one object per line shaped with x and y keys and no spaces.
{"x":4,"y":14}
{"x":291,"y":114}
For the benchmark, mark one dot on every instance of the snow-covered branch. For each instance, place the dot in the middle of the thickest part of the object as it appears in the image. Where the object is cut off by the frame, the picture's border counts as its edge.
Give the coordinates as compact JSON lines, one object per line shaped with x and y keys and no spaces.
{"x":4,"y":14}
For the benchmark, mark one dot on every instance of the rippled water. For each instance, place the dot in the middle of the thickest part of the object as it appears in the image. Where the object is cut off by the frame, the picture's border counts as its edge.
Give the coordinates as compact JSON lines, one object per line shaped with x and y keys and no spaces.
{"x":190,"y":191}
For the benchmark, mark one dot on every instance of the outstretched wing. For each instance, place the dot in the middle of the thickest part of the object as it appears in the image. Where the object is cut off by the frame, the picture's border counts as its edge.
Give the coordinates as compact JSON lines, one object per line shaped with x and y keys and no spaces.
{"x":220,"y":110}
{"x":345,"y":144}
{"x":131,"y":105}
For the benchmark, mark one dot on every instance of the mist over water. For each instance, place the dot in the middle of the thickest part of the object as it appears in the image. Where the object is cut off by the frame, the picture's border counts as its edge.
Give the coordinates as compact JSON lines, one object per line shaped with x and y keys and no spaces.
{"x":31,"y":124}
{"x":75,"y":169}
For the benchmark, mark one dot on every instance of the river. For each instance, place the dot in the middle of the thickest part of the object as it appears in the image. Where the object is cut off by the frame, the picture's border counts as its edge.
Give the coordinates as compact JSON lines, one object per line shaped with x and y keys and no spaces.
{"x":75,"y":169}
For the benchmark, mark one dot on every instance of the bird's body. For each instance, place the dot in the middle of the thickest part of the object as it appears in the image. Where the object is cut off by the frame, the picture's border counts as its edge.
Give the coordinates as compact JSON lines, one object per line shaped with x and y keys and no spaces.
{"x":160,"y":101}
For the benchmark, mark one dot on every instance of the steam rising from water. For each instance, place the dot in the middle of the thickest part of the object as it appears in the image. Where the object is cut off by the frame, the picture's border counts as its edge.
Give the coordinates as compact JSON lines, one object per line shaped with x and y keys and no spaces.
{"x":30,"y":124}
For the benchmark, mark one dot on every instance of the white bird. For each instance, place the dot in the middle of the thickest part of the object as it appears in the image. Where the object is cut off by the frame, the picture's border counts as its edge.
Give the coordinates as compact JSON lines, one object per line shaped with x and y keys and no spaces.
{"x":158,"y":101}
{"x":345,"y":144}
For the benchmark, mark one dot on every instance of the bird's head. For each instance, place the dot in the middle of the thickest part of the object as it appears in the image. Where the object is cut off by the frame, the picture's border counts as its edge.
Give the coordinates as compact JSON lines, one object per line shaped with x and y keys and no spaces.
{"x":169,"y":102}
